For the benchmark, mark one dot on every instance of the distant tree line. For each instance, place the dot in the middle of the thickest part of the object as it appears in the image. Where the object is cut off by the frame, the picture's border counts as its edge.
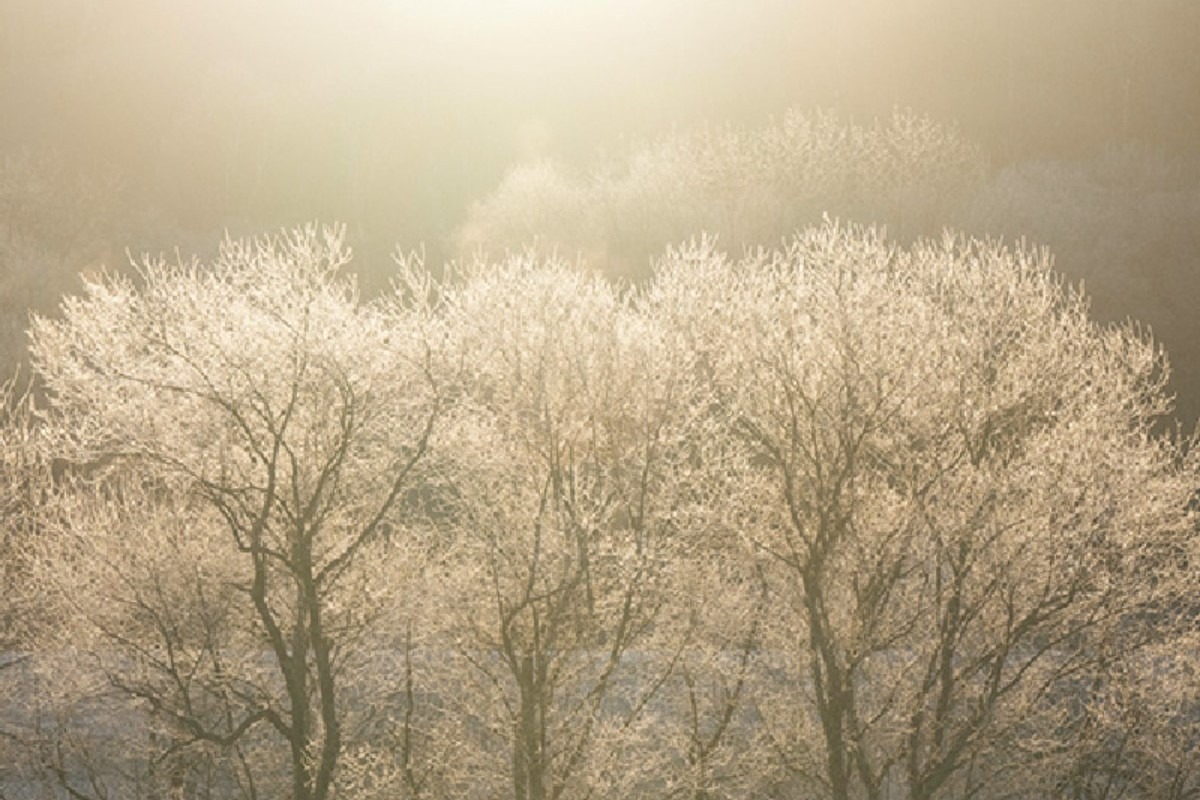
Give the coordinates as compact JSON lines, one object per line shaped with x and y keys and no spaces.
{"x":751,"y":186}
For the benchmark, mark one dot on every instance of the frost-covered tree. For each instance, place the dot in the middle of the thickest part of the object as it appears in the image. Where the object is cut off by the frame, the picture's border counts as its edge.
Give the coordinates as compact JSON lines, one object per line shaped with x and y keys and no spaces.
{"x":24,"y":481}
{"x":963,"y":507}
{"x":235,"y":441}
{"x":560,"y":468}
{"x":1123,"y":221}
{"x":24,"y":478}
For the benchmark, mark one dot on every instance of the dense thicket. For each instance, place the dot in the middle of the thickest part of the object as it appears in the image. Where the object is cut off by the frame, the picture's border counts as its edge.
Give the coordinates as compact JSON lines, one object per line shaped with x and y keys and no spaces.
{"x":842,"y":519}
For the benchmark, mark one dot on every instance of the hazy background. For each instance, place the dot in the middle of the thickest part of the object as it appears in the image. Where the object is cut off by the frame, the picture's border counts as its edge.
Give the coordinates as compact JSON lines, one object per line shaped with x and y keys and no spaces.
{"x":151,"y":124}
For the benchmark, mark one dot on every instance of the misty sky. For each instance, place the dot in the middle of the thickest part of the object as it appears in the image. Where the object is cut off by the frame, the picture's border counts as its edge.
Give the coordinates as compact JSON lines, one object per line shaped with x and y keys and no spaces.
{"x":394,"y":114}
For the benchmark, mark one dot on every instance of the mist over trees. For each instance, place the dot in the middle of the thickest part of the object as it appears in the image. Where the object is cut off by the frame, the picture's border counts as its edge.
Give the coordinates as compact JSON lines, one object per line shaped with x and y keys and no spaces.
{"x":395,"y":116}
{"x":782,"y":400}
{"x":846,"y":514}
{"x":1122,"y":221}
{"x":749,"y":186}
{"x":842,"y":519}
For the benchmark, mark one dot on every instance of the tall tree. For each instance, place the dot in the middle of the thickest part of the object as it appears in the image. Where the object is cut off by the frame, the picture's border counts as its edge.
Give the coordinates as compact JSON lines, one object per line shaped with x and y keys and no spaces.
{"x":236,"y":439}
{"x":562,"y":461}
{"x":959,"y":492}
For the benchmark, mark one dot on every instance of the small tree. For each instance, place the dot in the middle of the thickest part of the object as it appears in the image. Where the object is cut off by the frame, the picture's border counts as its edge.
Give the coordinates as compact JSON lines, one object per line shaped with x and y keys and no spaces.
{"x":236,"y":439}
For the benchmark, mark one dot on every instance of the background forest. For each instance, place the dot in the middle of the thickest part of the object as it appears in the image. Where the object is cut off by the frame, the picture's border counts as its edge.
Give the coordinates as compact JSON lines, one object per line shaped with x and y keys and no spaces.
{"x":695,"y":399}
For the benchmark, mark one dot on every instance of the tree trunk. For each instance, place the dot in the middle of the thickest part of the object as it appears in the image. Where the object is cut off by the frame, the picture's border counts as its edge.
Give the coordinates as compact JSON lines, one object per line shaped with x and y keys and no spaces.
{"x":529,"y":769}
